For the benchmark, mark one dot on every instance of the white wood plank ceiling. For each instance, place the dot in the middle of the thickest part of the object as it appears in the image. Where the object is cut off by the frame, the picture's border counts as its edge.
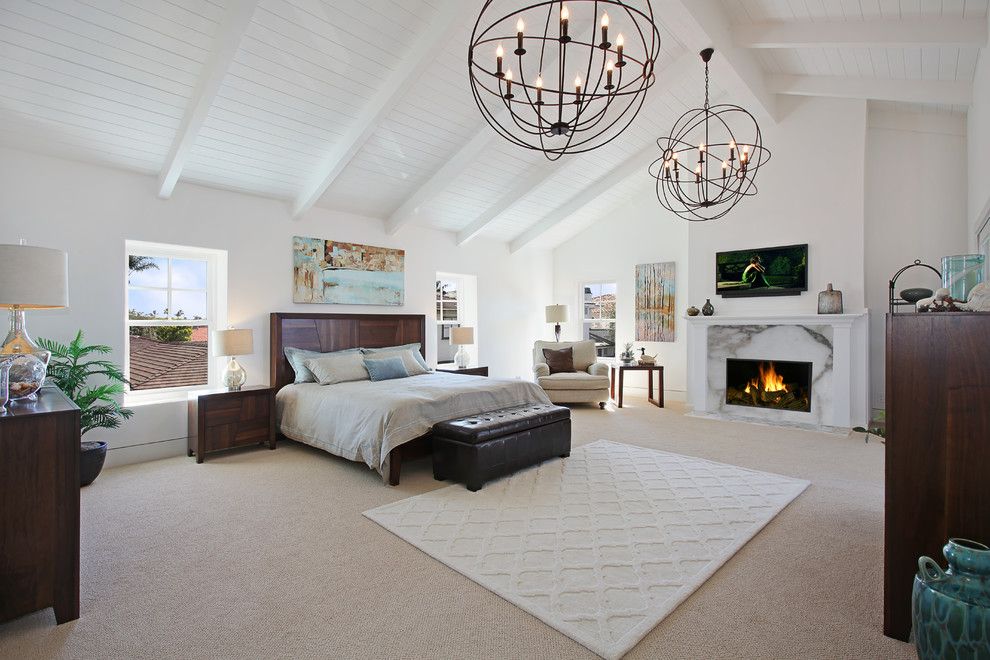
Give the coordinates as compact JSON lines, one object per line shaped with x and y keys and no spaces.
{"x":364,"y":106}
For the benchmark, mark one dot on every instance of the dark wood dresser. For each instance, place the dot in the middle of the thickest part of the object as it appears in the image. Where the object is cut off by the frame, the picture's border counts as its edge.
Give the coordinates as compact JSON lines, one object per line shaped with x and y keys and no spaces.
{"x":224,"y":419}
{"x":938,"y":446}
{"x":39,"y":507}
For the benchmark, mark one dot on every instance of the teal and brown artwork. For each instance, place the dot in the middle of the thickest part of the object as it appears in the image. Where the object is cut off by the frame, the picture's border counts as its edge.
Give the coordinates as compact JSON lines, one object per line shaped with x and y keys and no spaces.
{"x":338,"y":273}
{"x":655,"y":288}
{"x":951,"y":608}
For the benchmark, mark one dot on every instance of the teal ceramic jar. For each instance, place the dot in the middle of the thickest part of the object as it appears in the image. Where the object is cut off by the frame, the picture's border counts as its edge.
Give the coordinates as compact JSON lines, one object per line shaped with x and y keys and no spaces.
{"x":951,"y":608}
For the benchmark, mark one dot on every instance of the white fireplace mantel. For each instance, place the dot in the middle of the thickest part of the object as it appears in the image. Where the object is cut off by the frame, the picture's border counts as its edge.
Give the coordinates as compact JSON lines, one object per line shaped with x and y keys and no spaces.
{"x":843,"y":405}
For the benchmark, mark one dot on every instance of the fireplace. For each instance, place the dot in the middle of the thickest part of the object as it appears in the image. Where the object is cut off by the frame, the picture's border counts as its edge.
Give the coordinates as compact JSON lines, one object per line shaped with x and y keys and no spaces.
{"x":777,"y":384}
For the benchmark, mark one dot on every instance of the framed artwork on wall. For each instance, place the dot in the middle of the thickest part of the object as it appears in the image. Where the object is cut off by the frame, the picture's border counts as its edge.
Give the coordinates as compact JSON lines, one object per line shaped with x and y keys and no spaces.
{"x":336,"y":273}
{"x":655,"y":288}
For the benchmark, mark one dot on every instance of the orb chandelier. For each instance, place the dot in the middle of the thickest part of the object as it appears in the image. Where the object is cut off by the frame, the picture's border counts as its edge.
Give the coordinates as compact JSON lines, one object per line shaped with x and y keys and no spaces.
{"x":709,"y":160}
{"x":562,"y":77}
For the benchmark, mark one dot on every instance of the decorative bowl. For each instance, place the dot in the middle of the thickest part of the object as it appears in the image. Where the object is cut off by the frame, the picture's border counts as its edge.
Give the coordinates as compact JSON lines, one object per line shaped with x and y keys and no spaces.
{"x":916,"y":294}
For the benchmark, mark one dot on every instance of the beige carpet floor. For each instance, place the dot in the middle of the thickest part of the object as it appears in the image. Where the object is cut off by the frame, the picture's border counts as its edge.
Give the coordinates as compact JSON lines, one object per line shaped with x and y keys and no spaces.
{"x":258,"y":554}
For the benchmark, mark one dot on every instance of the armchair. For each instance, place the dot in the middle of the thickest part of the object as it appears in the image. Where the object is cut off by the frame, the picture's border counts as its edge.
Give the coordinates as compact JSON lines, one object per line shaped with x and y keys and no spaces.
{"x":588,"y":383}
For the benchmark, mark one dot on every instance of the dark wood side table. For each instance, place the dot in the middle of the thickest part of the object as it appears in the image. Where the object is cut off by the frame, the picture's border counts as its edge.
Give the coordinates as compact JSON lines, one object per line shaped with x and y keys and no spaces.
{"x":39,"y":506}
{"x":651,"y":369}
{"x":467,"y":371}
{"x":223,"y":419}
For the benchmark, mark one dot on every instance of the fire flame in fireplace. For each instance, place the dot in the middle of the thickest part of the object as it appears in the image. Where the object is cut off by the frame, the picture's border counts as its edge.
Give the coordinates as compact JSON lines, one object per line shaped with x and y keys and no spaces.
{"x":768,"y":381}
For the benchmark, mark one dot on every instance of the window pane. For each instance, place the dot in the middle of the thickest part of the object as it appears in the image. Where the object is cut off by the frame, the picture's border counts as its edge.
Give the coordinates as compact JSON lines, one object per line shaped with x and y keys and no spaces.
{"x":599,"y":300}
{"x":188,"y":305}
{"x":439,"y":313}
{"x":449,"y":312}
{"x":603,"y":334}
{"x":171,"y":356}
{"x":147,"y":271}
{"x":146,"y":304}
{"x":448,"y":290}
{"x":188,"y":274}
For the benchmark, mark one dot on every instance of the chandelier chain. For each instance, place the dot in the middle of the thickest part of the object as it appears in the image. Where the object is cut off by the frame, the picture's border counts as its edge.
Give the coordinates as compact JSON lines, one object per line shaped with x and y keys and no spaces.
{"x":706,"y":85}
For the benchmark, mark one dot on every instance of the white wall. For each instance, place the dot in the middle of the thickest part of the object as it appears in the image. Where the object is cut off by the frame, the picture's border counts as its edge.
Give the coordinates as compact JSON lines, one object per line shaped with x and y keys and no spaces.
{"x":915,"y":209}
{"x":90,"y":211}
{"x":811,"y":191}
{"x":635,"y":233}
{"x":978,"y":139}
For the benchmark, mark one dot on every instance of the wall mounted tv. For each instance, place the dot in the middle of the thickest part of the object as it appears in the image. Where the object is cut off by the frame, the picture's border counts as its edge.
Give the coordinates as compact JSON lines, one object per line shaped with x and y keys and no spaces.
{"x":774,"y":271}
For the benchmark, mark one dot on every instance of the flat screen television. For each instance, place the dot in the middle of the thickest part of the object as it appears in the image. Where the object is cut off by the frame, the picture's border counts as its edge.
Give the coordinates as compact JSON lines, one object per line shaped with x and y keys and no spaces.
{"x":773,"y":271}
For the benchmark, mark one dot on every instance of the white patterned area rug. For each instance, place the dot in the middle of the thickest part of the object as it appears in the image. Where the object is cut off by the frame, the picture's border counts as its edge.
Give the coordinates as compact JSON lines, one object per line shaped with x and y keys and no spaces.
{"x":602,"y":545}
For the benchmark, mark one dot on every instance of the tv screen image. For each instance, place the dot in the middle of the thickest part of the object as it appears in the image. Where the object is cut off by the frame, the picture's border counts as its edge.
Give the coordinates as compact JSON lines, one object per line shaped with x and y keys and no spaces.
{"x":774,"y":271}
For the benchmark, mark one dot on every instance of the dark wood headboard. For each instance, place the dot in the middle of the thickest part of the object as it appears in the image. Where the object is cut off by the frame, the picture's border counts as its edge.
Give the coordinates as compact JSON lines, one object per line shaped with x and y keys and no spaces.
{"x":336,"y":332}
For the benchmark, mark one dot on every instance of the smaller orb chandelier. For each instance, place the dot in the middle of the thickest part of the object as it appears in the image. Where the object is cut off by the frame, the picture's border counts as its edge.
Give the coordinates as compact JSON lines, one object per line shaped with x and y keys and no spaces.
{"x":570,"y":85}
{"x":709,"y":160}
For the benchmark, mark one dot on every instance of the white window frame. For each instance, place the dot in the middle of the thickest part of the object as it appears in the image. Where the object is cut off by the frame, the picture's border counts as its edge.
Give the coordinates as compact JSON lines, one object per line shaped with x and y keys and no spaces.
{"x":585,"y":319}
{"x":216,"y":311}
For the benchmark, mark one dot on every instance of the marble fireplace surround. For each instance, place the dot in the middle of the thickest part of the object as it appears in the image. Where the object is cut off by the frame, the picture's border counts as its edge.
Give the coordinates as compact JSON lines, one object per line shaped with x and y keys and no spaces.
{"x":836,"y":345}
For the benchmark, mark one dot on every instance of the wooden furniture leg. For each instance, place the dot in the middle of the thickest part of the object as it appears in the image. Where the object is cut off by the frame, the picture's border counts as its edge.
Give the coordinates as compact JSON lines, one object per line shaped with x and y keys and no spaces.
{"x":649,"y":385}
{"x":622,"y":375}
{"x":660,"y":386}
{"x":611,"y":373}
{"x":394,"y":466}
{"x":658,"y":400}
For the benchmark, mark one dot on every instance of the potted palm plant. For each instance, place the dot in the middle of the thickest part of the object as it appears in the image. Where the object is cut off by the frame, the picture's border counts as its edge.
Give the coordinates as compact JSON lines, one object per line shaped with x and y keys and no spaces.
{"x":71,"y":369}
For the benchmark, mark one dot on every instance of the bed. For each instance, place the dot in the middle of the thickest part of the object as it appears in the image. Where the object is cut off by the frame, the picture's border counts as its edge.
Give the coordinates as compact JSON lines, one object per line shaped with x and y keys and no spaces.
{"x":378,"y":423}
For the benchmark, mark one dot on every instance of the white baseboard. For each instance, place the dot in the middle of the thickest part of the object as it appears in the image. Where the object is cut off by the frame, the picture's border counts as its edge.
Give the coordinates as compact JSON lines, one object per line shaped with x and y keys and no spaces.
{"x":153,"y":451}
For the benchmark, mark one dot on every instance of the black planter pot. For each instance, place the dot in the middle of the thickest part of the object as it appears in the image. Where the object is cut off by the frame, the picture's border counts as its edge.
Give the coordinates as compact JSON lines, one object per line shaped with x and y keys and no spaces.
{"x":91,"y":459}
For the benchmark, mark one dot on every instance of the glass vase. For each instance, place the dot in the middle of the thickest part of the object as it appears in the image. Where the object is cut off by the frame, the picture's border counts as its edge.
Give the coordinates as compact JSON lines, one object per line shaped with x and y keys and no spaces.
{"x":28,"y":361}
{"x":960,"y":273}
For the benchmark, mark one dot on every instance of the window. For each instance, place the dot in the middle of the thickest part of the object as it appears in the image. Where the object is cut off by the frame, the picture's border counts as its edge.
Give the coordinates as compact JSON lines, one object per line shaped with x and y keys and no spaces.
{"x":598,"y":302}
{"x":173,"y":303}
{"x":447,"y":317}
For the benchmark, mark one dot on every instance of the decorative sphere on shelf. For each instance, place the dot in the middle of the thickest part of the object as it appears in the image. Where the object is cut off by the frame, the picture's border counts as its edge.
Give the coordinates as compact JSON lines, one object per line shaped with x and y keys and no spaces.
{"x":693,"y":311}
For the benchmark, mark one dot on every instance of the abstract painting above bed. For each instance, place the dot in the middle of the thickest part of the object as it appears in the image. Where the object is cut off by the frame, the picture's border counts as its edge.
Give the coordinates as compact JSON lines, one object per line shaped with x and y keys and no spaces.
{"x":338,"y":273}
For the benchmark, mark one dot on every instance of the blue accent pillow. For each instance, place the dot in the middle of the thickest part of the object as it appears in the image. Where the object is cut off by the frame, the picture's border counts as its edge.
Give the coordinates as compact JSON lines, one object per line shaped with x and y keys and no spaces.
{"x":386,"y":368}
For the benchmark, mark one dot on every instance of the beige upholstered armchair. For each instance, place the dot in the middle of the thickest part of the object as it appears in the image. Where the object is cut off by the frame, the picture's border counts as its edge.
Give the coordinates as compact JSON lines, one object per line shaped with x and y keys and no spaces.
{"x":587,"y":384}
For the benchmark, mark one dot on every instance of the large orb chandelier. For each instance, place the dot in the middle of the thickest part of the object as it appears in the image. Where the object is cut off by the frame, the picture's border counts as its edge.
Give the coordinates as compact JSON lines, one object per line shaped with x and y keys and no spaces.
{"x":709,"y":160}
{"x":548,"y":76}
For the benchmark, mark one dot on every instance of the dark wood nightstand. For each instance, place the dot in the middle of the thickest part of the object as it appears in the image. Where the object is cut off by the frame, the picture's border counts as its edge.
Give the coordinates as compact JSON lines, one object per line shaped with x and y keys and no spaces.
{"x":467,"y":371}
{"x":223,"y":419}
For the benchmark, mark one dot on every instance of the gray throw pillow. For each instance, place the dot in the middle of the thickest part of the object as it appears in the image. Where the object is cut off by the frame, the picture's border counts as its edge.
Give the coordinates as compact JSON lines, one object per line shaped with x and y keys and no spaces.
{"x":412,"y":348}
{"x":334,"y":368}
{"x":297,"y":358}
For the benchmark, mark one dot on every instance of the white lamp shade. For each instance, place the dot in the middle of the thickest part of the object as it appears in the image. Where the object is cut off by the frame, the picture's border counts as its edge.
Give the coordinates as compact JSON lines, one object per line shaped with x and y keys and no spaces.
{"x":461,"y":336}
{"x":33,"y":277}
{"x":556,"y":313}
{"x":233,"y":342}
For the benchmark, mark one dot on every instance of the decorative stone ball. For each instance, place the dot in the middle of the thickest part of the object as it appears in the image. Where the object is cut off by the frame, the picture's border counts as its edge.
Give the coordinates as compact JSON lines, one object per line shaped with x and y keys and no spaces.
{"x":693,"y":311}
{"x":916,"y":294}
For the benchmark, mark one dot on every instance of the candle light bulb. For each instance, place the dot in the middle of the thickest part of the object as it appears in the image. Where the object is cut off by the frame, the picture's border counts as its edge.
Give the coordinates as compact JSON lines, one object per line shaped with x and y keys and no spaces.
{"x":508,"y":75}
{"x":619,"y":41}
{"x":564,"y":13}
{"x":610,"y":66}
{"x":499,"y":52}
{"x":539,"y":82}
{"x":701,"y":147}
{"x":520,"y":26}
{"x":605,"y":20}
{"x":577,"y":82}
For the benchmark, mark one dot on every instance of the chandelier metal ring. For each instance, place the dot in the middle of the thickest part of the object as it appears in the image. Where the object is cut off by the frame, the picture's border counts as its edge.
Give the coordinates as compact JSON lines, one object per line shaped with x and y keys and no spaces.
{"x":710,"y":159}
{"x":519,"y":78}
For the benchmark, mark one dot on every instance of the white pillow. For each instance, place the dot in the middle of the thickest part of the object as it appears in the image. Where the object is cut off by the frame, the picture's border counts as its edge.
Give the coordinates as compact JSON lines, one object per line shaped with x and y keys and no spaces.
{"x":413,"y":366}
{"x":338,"y":368}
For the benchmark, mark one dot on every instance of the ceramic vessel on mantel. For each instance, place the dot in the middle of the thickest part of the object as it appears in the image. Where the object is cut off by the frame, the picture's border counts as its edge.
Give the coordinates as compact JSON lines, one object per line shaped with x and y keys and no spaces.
{"x":951,"y":609}
{"x":707,"y":309}
{"x":830,"y":301}
{"x":693,"y":311}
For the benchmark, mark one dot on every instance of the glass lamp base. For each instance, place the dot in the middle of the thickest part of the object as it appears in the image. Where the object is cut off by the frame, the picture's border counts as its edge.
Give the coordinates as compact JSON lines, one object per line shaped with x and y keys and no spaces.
{"x":234,"y":375}
{"x":461,"y":358}
{"x":28,"y":362}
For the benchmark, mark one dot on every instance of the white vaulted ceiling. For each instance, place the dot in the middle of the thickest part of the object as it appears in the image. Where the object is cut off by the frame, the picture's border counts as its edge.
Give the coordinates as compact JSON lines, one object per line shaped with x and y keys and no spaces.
{"x":364,"y":105}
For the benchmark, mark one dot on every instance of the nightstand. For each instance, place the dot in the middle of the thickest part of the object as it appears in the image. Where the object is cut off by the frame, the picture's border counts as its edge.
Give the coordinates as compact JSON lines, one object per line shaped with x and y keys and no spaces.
{"x":467,"y":371}
{"x":224,"y":419}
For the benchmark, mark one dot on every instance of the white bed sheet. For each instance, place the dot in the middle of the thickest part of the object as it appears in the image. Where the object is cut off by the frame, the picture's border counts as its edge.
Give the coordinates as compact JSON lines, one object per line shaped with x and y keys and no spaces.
{"x":365,"y":420}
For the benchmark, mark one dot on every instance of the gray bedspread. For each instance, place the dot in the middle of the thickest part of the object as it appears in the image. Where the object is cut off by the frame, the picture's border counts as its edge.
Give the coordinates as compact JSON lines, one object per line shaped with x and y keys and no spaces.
{"x":365,"y":420}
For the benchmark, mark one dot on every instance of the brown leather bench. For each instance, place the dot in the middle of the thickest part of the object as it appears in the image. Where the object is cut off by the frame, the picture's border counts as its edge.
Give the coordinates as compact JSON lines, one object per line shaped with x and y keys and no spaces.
{"x":479,"y":448}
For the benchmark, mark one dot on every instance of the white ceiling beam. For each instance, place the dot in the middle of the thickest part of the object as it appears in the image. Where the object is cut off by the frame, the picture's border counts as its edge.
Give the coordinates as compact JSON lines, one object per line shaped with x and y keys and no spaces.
{"x":950,"y":92}
{"x":451,"y":169}
{"x":636,"y":165}
{"x":529,"y":181}
{"x":414,"y":63}
{"x":701,"y":24}
{"x":937,"y":32}
{"x":225,"y":45}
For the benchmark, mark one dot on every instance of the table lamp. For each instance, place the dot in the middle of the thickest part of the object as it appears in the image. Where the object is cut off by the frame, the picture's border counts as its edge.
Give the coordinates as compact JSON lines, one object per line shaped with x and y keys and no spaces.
{"x":461,"y":337}
{"x":30,"y":278}
{"x":556,"y":314}
{"x":231,"y":343}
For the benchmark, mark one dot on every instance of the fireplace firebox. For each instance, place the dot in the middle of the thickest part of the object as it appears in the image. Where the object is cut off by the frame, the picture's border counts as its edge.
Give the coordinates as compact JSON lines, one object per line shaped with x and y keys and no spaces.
{"x":777,"y":384}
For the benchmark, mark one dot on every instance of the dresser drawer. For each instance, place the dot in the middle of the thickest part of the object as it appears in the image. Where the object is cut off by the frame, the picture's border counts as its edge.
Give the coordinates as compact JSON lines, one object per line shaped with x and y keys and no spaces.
{"x":227,"y":411}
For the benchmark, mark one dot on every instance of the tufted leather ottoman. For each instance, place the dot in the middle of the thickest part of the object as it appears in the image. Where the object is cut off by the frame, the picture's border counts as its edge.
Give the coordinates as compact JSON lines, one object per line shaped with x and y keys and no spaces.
{"x":479,"y":448}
